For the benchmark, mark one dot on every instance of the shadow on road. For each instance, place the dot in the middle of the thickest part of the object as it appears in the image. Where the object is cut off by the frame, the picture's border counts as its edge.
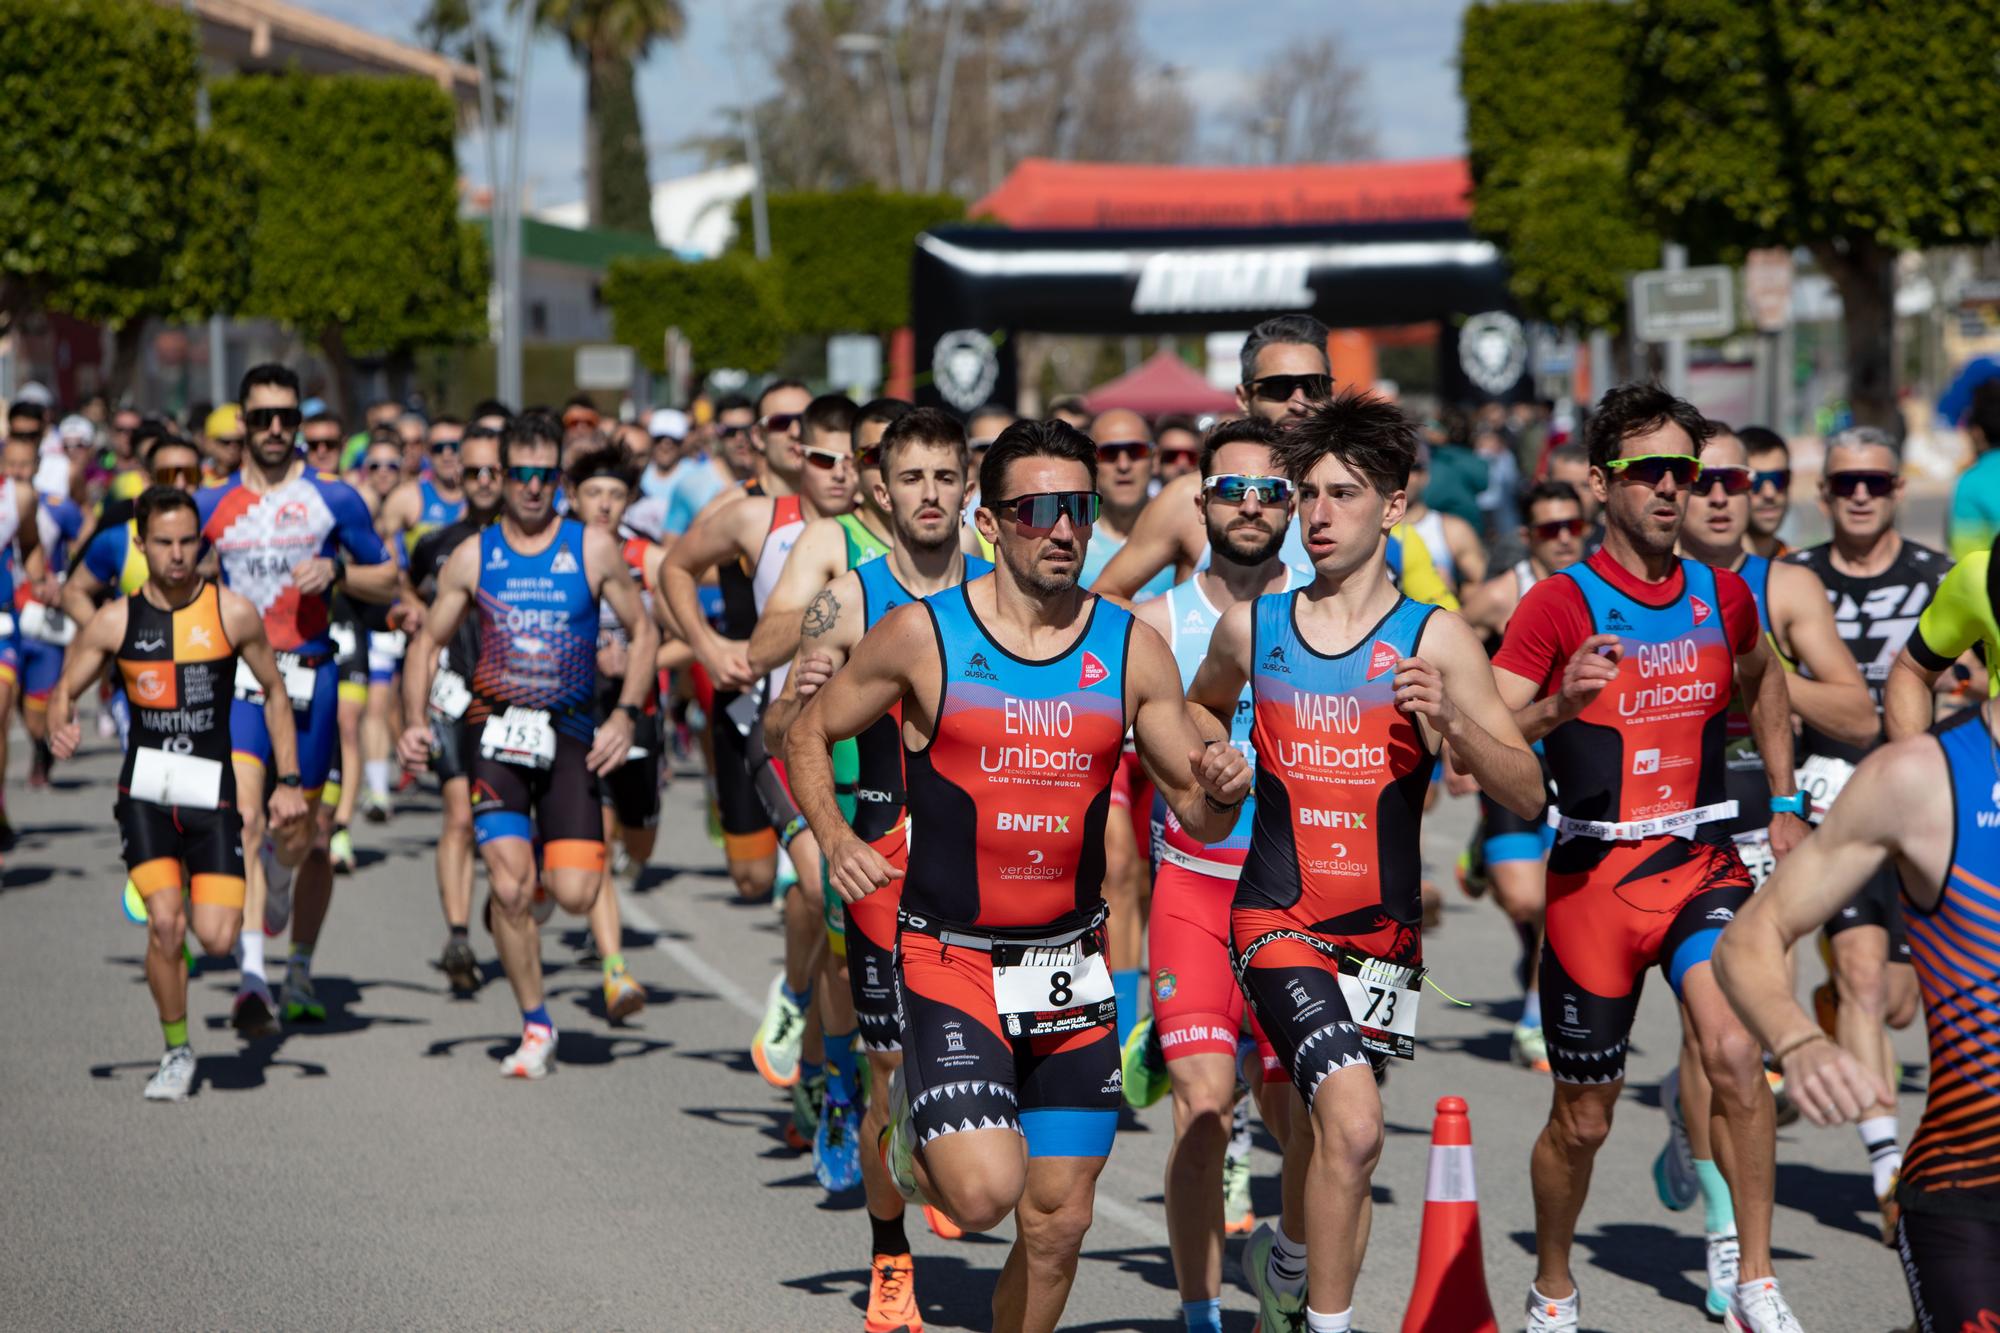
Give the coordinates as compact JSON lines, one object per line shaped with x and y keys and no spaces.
{"x":952,"y":1293}
{"x":572,"y":1047}
{"x":237,"y":1071}
{"x":1837,"y":1199}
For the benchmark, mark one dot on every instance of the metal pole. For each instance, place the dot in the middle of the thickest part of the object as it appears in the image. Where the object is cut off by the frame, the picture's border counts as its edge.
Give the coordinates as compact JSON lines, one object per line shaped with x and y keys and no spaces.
{"x":489,"y":141}
{"x":509,"y":369}
{"x":941,"y":103}
{"x":899,"y":119}
{"x":760,"y":217}
{"x":218,"y":346}
{"x":1602,"y":373}
{"x":1674,"y":259}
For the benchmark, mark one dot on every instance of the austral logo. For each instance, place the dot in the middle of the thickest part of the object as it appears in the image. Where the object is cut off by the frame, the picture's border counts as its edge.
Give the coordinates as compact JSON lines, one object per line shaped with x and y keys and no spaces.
{"x":1615,"y":619}
{"x":1275,"y":660}
{"x":977,"y":667}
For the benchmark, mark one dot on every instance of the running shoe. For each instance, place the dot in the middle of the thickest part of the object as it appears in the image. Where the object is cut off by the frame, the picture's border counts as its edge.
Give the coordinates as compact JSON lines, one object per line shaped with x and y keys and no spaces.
{"x":341,"y":849}
{"x":1145,"y":1066}
{"x":175,"y":1078}
{"x":775,"y":1048}
{"x":277,"y":892}
{"x":899,"y":1141}
{"x":254,"y":1014}
{"x":133,"y":905}
{"x":1892,"y":1210}
{"x":941,"y":1226}
{"x":1788,"y":1111}
{"x":301,"y":1000}
{"x":1531,"y":1048}
{"x":808,"y":1094}
{"x":1277,"y":1311}
{"x":623,"y":996}
{"x":892,"y":1296}
{"x":1547,"y":1316}
{"x":375,"y":807}
{"x":1239,"y":1216}
{"x":1760,"y":1309}
{"x":460,"y":966}
{"x":535,"y":1057}
{"x":836,"y":1153}
{"x":1674,"y":1177}
{"x":621,"y":860}
{"x":1723,"y":1256}
{"x":1472,"y":881}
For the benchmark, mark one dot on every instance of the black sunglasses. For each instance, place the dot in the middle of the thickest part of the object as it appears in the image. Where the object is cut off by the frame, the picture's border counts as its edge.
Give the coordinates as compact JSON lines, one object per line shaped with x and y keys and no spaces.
{"x":730,"y":432}
{"x":780,"y":423}
{"x":312,"y":445}
{"x":1778,"y":477}
{"x":1041,"y":513}
{"x":444,"y":446}
{"x":1558,"y":527}
{"x":528,"y":476}
{"x":384,"y":465}
{"x":1732,"y":480}
{"x":1844,"y":484}
{"x":1280,"y":388}
{"x":263,"y":418}
{"x":1114,"y":450}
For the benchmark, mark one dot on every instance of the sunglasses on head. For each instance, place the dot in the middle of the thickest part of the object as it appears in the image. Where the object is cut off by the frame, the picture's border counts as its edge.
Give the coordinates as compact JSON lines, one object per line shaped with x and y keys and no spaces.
{"x":1114,"y":450}
{"x":1846,"y":484}
{"x":187,"y":474}
{"x":826,"y":460}
{"x":1557,"y":527}
{"x":779,"y":423}
{"x":528,"y":476}
{"x":263,"y":418}
{"x":1652,"y":469}
{"x":1041,"y":513}
{"x":1732,"y":480}
{"x":1232,"y":487}
{"x":1781,"y":478}
{"x":1280,"y":388}
{"x":485,"y":472}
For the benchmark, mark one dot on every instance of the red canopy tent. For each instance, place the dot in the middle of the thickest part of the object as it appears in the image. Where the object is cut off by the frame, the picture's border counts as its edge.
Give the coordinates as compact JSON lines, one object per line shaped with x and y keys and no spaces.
{"x":1163,"y":384}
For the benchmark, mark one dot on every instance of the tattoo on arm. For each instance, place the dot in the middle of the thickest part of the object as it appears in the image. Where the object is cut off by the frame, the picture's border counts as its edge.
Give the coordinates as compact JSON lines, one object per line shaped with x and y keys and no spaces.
{"x":821,"y":614}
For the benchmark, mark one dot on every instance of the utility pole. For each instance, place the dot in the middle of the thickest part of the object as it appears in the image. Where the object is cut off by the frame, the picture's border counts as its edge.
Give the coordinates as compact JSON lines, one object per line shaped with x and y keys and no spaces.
{"x":507,"y":220}
{"x":218,"y":343}
{"x":941,"y":102}
{"x":1674,"y":259}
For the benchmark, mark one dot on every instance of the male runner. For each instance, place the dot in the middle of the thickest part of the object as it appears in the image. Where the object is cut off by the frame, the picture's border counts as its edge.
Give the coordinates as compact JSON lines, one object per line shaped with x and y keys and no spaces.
{"x":222,"y":439}
{"x":322,"y":438}
{"x":1626,"y":663}
{"x":176,"y":640}
{"x":1355,"y":687}
{"x":536,"y":754}
{"x":921,"y":466}
{"x":22,"y":561}
{"x":1923,"y":808}
{"x":450,"y":696}
{"x":43,"y":630}
{"x":284,"y":535}
{"x":1770,"y":460}
{"x":1177,"y":445}
{"x":1015,"y":693}
{"x":1453,"y":545}
{"x":383,"y":473}
{"x":1198,"y":1014}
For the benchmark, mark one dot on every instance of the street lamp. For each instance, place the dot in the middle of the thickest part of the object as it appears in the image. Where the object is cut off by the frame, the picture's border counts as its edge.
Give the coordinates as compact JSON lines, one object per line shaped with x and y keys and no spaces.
{"x":874,"y":44}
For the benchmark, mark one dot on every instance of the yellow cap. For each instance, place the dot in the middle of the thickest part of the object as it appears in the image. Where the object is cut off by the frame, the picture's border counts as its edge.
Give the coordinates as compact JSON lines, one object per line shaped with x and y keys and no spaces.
{"x":224,"y":420}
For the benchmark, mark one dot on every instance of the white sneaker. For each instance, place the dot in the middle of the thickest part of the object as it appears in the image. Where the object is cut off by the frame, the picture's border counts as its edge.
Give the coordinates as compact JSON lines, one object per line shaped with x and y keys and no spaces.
{"x":535,"y":1057}
{"x":277,"y":892}
{"x":1722,"y":1259}
{"x":1547,"y":1316}
{"x":1759,"y":1308}
{"x":175,"y":1079}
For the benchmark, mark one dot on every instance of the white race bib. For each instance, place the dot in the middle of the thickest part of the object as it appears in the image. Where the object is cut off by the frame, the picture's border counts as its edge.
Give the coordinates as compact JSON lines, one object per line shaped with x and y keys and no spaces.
{"x":1755,"y":849}
{"x":742,"y":713}
{"x":47,"y":624}
{"x":523,"y":736}
{"x":1040,"y":990}
{"x":449,"y":694}
{"x":343,"y":638}
{"x":1821,"y":778}
{"x":185,"y":780}
{"x":301,"y":681}
{"x":1384,"y":997}
{"x":6,"y":624}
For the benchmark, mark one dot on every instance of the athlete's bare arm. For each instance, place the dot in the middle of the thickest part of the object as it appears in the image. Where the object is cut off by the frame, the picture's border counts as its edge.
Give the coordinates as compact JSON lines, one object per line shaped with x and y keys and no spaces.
{"x":1590,"y":668}
{"x":457,"y":584}
{"x":1490,"y":604}
{"x":1219,"y":680}
{"x":611,"y":583}
{"x":1449,"y":685}
{"x":1762,"y":681}
{"x":1897,"y":805}
{"x":80,"y":592}
{"x":245,"y":628}
{"x":1466,"y":552}
{"x":897,"y":661}
{"x":28,"y":536}
{"x":1203,"y":778}
{"x":1830,"y":694}
{"x":1153,"y":613}
{"x":817,"y":558}
{"x":1167,"y":534}
{"x":1909,"y":705}
{"x":88,"y":654}
{"x":723,"y":533}
{"x":831,"y":627}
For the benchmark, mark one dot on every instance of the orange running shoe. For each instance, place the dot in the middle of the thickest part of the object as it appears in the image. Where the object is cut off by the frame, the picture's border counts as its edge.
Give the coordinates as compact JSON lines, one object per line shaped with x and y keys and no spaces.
{"x":892,"y":1296}
{"x":941,"y":1226}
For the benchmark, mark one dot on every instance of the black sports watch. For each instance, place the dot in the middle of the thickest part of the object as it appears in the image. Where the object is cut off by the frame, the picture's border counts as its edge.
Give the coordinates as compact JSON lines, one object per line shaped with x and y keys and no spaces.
{"x":290,"y":780}
{"x":632,"y":711}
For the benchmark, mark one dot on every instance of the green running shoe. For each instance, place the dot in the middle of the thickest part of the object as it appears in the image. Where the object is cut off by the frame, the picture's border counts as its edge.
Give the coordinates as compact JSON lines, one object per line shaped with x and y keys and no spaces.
{"x":1277,"y":1311}
{"x":1144,"y":1065}
{"x":340,"y":848}
{"x":899,"y":1140}
{"x":808,"y":1094}
{"x":775,"y":1048}
{"x":301,"y":1002}
{"x":134,"y":905}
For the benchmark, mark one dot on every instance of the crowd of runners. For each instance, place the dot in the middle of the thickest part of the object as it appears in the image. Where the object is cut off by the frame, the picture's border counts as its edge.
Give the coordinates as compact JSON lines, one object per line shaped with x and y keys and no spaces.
{"x":1086,"y":760}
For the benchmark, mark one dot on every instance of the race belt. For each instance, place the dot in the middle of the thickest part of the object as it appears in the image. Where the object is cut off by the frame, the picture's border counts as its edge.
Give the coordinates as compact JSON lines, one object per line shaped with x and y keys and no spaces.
{"x":1679,"y":824}
{"x":1200,"y":865}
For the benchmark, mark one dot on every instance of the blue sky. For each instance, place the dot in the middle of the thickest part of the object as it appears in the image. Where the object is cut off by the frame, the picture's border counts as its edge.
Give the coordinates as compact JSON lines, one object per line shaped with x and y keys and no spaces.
{"x":1406,"y":47}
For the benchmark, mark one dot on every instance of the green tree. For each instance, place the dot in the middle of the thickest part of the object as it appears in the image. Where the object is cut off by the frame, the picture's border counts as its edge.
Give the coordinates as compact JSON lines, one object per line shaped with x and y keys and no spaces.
{"x":728,"y":308}
{"x":357,"y":241}
{"x":842,"y":260}
{"x":608,"y":38}
{"x":1853,"y":128}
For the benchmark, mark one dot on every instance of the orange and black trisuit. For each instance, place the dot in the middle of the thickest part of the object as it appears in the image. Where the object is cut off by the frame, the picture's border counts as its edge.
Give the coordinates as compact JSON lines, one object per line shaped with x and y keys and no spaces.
{"x":1643,"y":871}
{"x":1949,"y":1189}
{"x":1008,"y":1019}
{"x":879,"y":819}
{"x":177,"y":791}
{"x":1328,"y":904}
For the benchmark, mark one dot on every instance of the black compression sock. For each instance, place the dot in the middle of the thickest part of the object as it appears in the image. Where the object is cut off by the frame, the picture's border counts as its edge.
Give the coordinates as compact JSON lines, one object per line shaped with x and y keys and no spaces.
{"x":889,"y":1235}
{"x":461,"y":932}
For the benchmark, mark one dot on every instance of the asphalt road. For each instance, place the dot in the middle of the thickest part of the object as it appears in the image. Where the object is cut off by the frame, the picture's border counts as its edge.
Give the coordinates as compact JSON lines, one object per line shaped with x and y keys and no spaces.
{"x":375,"y":1172}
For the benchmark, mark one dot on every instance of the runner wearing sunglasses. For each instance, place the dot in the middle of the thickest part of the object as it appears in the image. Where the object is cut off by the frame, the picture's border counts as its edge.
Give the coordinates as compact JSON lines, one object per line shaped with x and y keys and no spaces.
{"x":538,"y":752}
{"x":383,"y":477}
{"x":284,"y":536}
{"x":1179,"y":449}
{"x":922,"y":482}
{"x":1878,"y":582}
{"x":1626,"y":663}
{"x":1770,"y":461}
{"x":1355,"y":688}
{"x":322,"y":437}
{"x":1015,"y":692}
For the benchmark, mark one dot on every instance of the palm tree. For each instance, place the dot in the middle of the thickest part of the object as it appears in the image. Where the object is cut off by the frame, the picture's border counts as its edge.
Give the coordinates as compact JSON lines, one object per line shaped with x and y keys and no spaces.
{"x":608,"y":38}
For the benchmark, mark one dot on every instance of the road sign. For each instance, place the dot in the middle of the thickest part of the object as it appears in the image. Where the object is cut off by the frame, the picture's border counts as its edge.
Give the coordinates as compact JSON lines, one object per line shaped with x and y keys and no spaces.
{"x":1767,"y":287}
{"x":1688,"y":303}
{"x":605,"y":367}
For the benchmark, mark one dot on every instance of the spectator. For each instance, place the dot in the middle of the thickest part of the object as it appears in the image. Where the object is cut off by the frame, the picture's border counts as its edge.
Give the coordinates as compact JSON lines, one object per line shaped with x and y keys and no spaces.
{"x":1458,"y":475}
{"x":1975,"y":500}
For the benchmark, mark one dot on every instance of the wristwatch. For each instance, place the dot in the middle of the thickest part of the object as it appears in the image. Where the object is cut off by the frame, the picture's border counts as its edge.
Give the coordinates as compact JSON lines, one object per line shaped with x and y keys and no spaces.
{"x":632,"y":711}
{"x":1795,"y":804}
{"x":290,"y":780}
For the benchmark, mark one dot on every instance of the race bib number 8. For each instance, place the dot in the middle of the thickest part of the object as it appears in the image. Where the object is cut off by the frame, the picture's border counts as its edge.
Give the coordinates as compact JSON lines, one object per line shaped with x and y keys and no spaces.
{"x":1043,"y":991}
{"x":522,"y":736}
{"x":1383,"y":999}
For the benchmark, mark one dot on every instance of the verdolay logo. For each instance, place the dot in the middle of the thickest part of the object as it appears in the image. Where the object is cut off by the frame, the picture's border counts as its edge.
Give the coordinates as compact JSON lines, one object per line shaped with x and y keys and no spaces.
{"x":1093,"y":671}
{"x":1384,"y":658}
{"x":1700,"y":608}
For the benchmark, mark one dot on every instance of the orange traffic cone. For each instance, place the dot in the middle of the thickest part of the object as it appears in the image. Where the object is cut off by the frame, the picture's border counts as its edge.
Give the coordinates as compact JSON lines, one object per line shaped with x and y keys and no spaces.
{"x":1450,"y":1292}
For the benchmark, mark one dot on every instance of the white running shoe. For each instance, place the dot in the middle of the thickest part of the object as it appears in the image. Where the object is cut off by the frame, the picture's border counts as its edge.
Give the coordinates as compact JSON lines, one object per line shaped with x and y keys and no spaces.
{"x":1547,"y":1316}
{"x":277,"y":892}
{"x":1759,"y":1308}
{"x":535,"y":1057}
{"x":1722,"y":1260}
{"x":175,"y":1079}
